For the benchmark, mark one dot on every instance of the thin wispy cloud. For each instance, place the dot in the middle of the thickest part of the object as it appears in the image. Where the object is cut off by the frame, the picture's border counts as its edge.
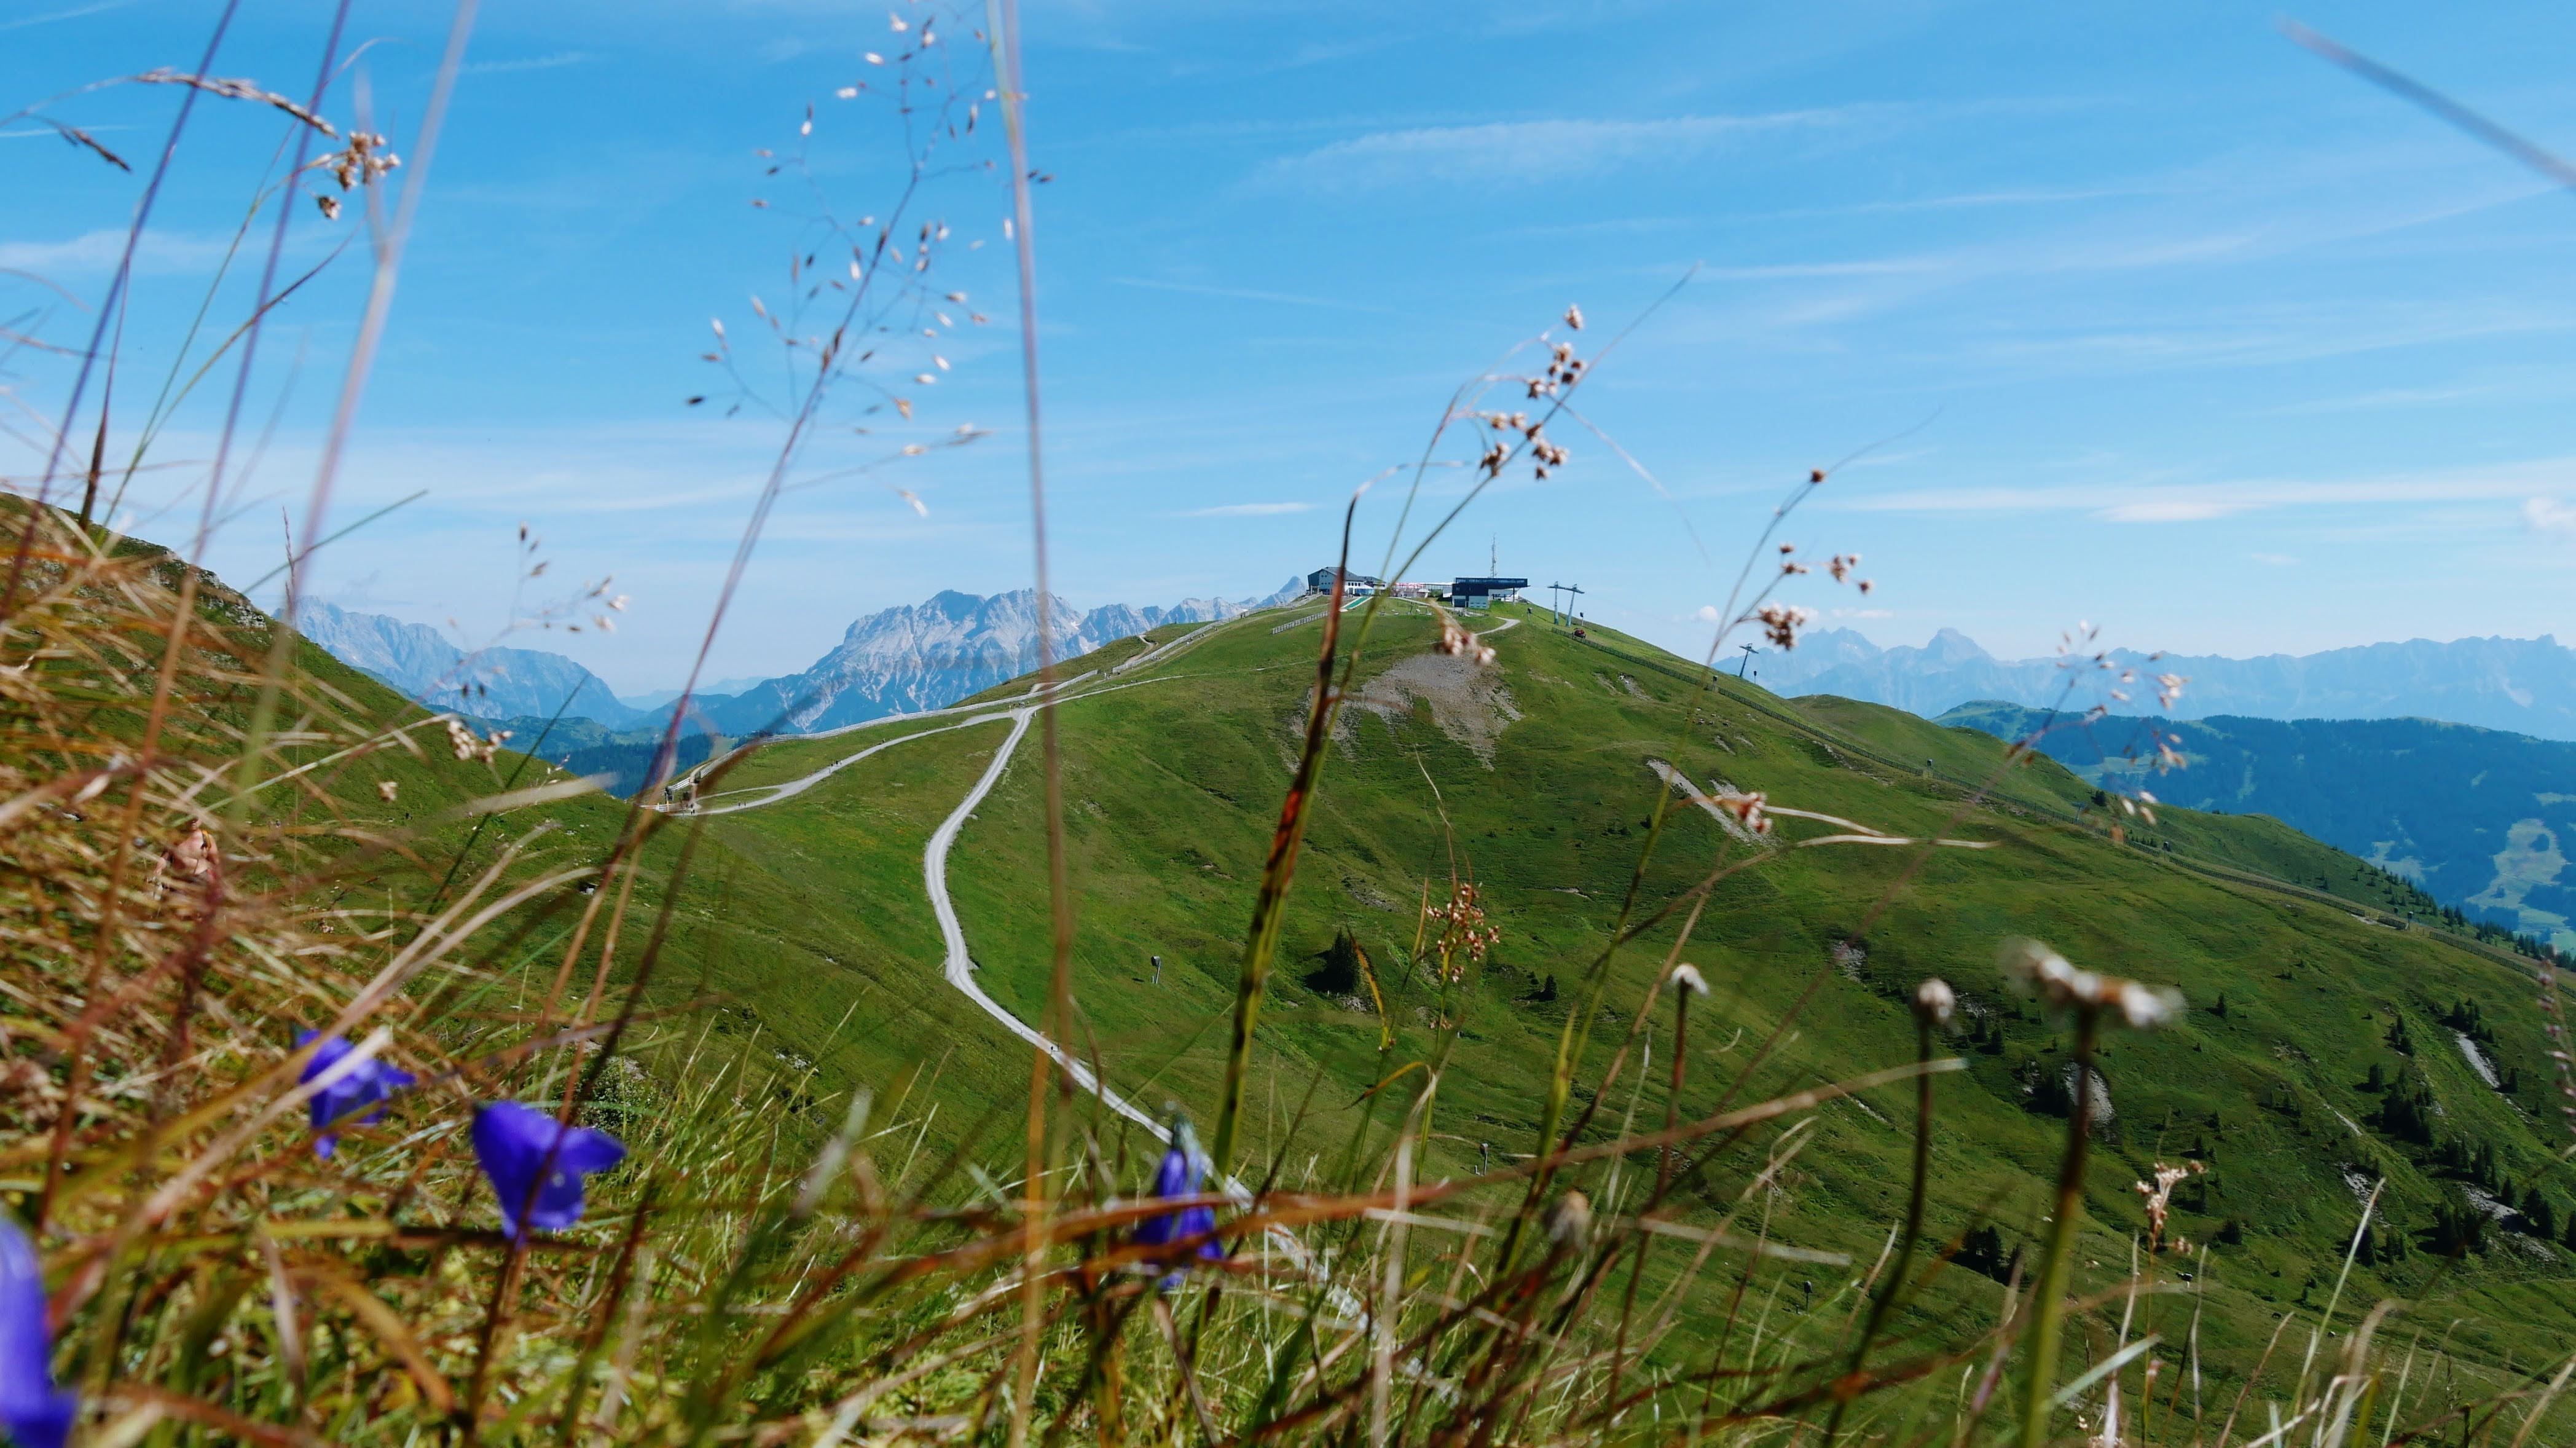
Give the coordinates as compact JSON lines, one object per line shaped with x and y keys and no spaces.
{"x":97,"y":7}
{"x":2549,"y":515}
{"x":2379,"y":398}
{"x":1248,"y":294}
{"x":1789,"y":271}
{"x":48,"y":133}
{"x":95,"y":251}
{"x":1964,"y":202}
{"x":1247,"y":510}
{"x":1199,"y":131}
{"x":557,"y":61}
{"x":2125,"y":502}
{"x":2250,"y":337}
{"x":1980,"y":199}
{"x":1529,"y":152}
{"x":2231,"y":215}
{"x":2175,"y":510}
{"x":1891,"y":459}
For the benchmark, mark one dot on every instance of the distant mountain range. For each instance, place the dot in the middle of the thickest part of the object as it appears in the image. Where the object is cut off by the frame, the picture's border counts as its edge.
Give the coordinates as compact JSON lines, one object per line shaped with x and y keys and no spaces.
{"x":2482,"y":820}
{"x":936,"y":653}
{"x":493,"y":683}
{"x":900,"y":660}
{"x":2527,"y":686}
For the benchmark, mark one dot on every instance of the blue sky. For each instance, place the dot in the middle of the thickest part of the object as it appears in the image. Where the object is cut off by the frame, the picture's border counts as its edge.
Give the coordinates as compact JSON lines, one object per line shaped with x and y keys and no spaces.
{"x":2185,"y":332}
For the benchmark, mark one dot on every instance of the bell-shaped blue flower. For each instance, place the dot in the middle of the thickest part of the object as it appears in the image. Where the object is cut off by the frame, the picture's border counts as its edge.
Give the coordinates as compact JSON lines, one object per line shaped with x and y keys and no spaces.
{"x":536,"y":1163}
{"x":367,"y":1084}
{"x":37,"y":1414}
{"x":1184,"y":1166}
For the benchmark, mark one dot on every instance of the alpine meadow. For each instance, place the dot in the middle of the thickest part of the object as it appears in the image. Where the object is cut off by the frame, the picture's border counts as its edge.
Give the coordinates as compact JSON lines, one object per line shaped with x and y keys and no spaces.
{"x":1419,"y":1005}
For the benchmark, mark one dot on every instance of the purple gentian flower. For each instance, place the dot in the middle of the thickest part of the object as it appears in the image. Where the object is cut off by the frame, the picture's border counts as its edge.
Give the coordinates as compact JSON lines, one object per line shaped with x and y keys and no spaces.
{"x":367,"y":1084}
{"x":1179,"y":1175}
{"x":516,"y":1141}
{"x":36,"y":1414}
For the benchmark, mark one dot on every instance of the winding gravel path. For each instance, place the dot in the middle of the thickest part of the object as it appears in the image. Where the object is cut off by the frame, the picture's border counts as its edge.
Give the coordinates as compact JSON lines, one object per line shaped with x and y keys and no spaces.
{"x":958,"y":966}
{"x":773,"y":793}
{"x":1166,"y":650}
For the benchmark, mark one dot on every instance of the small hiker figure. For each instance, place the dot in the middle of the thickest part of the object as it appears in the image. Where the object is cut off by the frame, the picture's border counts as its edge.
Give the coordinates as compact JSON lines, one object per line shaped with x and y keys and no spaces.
{"x":1158,"y":970}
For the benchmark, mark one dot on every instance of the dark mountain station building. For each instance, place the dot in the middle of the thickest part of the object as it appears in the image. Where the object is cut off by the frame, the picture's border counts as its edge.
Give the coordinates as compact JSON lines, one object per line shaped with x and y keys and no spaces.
{"x":1482,"y":592}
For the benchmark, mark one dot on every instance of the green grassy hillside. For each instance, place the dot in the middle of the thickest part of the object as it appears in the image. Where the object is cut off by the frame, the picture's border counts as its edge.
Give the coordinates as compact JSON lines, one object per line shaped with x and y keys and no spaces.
{"x":804,"y":935}
{"x":745,"y":928}
{"x":1541,"y":764}
{"x":2454,"y":816}
{"x":2326,"y":1049}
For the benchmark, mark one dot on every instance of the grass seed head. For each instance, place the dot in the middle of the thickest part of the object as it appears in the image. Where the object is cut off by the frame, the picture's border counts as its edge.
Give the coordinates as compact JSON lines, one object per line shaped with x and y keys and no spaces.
{"x":2159,"y":1202}
{"x":2034,"y":970}
{"x":1747,"y":809}
{"x":1569,"y":1221}
{"x":1782,"y":621}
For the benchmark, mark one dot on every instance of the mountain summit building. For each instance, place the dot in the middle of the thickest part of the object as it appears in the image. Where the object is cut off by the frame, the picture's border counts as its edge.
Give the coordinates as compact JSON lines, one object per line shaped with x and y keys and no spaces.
{"x":1321,"y":581}
{"x":1461,"y":593}
{"x":1482,"y":592}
